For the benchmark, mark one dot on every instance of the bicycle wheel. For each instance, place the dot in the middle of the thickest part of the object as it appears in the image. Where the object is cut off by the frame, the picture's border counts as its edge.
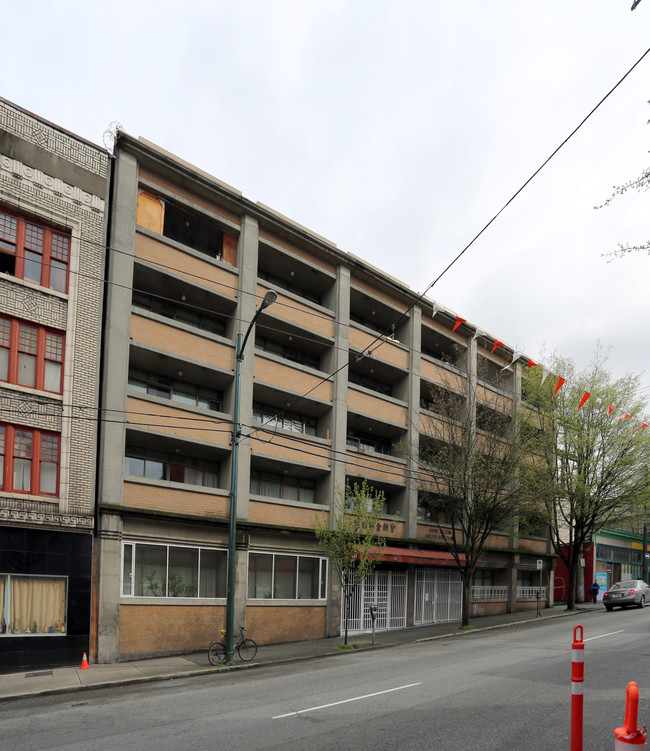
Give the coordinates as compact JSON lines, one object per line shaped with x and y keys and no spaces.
{"x":247,"y":649}
{"x":217,"y":654}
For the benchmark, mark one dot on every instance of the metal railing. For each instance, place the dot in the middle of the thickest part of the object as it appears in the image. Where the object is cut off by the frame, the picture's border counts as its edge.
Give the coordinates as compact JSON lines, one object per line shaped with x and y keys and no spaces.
{"x":489,"y":593}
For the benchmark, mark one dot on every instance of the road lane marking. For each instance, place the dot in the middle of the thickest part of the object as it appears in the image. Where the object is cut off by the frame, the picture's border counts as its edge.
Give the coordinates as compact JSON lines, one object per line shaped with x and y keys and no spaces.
{"x":611,"y":633}
{"x":344,"y":701}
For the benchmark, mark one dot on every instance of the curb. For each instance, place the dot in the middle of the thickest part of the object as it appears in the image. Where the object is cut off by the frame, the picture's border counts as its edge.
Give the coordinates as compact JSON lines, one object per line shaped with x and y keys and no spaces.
{"x":279,"y":661}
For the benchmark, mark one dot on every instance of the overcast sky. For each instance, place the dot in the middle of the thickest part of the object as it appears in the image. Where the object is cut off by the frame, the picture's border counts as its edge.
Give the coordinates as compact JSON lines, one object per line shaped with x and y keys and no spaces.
{"x":396,"y":130}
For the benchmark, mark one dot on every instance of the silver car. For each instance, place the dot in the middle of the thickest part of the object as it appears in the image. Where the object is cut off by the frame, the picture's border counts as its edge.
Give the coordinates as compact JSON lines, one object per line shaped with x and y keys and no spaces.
{"x":628,"y":592}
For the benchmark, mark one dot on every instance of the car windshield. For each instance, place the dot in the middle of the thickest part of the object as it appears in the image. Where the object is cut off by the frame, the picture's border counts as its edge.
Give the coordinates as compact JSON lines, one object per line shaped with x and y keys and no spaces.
{"x":624,"y":585}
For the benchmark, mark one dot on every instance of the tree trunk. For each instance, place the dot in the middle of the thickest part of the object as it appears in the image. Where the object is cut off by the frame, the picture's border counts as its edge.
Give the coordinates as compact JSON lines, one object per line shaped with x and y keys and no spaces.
{"x":467,"y":591}
{"x":571,"y":586}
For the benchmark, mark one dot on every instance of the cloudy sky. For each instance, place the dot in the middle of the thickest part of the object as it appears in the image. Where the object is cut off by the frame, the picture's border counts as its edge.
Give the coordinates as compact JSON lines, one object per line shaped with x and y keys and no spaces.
{"x":397,"y":131}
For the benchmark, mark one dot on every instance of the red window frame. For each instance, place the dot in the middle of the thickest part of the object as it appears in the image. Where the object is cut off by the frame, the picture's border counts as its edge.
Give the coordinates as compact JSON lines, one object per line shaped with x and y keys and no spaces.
{"x":25,"y":339}
{"x":40,"y":254}
{"x":39,"y":447}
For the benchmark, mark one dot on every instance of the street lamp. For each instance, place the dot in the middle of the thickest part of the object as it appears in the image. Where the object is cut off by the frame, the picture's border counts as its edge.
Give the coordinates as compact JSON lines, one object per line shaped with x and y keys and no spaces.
{"x":269,"y":298}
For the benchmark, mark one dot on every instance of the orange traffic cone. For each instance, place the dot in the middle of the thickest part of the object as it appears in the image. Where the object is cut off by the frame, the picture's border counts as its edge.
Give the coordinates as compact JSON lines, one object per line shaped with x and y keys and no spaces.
{"x":84,"y":663}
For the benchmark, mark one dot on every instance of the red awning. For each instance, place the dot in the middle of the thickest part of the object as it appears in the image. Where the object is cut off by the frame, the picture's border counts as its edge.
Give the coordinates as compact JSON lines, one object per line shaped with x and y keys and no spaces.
{"x":423,"y":557}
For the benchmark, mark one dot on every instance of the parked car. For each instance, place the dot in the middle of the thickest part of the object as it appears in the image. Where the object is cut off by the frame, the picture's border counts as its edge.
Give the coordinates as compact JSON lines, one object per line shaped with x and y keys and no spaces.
{"x":628,"y":592}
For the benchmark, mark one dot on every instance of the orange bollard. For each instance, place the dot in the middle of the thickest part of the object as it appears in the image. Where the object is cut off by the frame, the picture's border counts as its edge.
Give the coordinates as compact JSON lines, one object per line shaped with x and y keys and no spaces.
{"x":629,"y":734}
{"x":577,"y":680}
{"x":84,"y":663}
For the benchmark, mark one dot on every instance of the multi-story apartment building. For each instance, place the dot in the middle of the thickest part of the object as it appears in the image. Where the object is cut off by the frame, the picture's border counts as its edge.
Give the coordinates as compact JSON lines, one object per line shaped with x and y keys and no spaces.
{"x":333,"y":382}
{"x":53,"y":191}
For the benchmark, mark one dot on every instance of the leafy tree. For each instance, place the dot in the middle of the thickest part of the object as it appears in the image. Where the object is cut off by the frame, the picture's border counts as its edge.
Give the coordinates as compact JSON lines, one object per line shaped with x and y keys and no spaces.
{"x":640,"y":184}
{"x":594,"y":471}
{"x":470,"y":457}
{"x":352,"y":543}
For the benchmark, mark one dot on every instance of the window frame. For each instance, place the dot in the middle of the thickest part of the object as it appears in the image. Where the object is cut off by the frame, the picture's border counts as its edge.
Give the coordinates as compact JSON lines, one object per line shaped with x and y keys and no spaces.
{"x":322,"y":576}
{"x":9,"y":455}
{"x":51,"y":254}
{"x":17,"y":346}
{"x":5,"y":606}
{"x":200,"y":550}
{"x":170,"y":465}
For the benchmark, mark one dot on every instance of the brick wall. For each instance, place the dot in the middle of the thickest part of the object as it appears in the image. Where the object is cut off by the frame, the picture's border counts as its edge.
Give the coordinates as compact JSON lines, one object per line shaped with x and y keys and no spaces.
{"x":164,"y":629}
{"x":278,"y":624}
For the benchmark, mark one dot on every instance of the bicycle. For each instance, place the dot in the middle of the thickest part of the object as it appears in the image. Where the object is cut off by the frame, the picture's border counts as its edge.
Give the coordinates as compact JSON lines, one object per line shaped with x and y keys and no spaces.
{"x":246,"y":648}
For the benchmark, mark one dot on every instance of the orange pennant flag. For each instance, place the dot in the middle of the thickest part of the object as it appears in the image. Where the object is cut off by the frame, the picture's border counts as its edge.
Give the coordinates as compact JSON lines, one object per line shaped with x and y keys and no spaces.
{"x":645,"y":425}
{"x":560,"y":383}
{"x":459,"y":320}
{"x":622,"y":417}
{"x":609,"y":409}
{"x":531,"y":364}
{"x":497,"y":344}
{"x":584,"y":399}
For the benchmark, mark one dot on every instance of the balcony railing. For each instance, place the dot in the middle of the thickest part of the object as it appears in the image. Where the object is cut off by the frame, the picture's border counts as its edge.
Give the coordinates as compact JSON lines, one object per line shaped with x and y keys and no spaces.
{"x":501,"y":593}
{"x":489,"y":593}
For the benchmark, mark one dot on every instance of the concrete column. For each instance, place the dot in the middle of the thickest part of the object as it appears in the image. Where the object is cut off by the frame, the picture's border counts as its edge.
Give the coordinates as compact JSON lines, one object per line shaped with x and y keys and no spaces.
{"x":338,"y":427}
{"x":115,"y":368}
{"x":247,"y":252}
{"x":110,"y":567}
{"x":413,"y":433}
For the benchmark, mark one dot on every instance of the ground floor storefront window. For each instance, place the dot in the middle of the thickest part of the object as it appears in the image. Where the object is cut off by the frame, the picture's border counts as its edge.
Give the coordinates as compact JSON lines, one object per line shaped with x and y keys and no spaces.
{"x":173,"y":571}
{"x":32,"y":605}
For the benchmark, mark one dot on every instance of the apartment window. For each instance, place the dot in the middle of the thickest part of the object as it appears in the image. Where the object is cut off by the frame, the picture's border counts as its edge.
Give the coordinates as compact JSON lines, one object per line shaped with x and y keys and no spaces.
{"x":275,"y":418}
{"x":275,"y":576}
{"x":32,"y":605}
{"x":178,"y":312}
{"x":370,"y":383}
{"x":288,"y":353}
{"x":177,"y":391}
{"x":29,"y":460}
{"x":274,"y":485}
{"x":185,"y":470}
{"x":364,"y":442}
{"x":279,"y":283}
{"x":32,"y":251}
{"x":31,"y":355}
{"x":173,"y":571}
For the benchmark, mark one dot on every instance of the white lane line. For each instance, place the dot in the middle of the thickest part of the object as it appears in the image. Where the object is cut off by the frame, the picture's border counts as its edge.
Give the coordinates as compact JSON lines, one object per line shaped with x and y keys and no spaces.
{"x":602,"y":636}
{"x":345,"y":701}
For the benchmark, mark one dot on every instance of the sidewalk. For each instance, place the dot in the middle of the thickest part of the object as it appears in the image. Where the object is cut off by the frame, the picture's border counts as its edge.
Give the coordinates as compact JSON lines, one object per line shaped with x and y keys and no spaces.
{"x":61,"y":680}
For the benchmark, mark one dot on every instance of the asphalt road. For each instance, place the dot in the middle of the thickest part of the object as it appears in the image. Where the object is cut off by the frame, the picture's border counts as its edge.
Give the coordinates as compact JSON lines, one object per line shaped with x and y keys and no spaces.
{"x":502,"y":689}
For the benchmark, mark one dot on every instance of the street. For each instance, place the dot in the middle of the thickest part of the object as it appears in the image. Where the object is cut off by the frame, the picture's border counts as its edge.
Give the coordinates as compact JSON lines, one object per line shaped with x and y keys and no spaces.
{"x":502,"y":689}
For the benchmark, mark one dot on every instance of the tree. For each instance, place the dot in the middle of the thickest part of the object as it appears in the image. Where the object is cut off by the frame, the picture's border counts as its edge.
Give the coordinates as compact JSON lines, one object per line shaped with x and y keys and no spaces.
{"x":470,"y":457}
{"x":594,"y":469}
{"x":639,"y":184}
{"x":351,"y":542}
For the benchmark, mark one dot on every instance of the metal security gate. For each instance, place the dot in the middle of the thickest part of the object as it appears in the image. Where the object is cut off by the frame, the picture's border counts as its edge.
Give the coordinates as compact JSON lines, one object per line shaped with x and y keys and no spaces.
{"x":438,"y":596}
{"x":386,"y":589}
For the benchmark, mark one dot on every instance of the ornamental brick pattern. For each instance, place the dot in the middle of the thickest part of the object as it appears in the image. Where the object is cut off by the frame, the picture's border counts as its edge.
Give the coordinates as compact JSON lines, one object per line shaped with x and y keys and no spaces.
{"x":55,"y":200}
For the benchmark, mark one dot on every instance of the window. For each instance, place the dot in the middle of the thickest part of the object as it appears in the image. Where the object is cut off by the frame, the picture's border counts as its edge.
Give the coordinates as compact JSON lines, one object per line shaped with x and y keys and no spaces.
{"x":173,"y":571}
{"x":279,"y":283}
{"x":370,"y":383}
{"x":364,"y":442}
{"x":183,"y":393}
{"x":184,"y":470}
{"x":33,"y":251}
{"x":178,"y":312}
{"x":288,"y":353}
{"x":29,"y":460}
{"x":31,"y":355}
{"x":32,"y":605}
{"x":275,"y":418}
{"x":275,"y":485}
{"x":286,"y":577}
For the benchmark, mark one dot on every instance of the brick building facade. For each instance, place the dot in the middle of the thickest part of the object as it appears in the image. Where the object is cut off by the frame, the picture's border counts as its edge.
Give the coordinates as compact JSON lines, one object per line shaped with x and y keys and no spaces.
{"x":326,"y":398}
{"x":53,"y":192}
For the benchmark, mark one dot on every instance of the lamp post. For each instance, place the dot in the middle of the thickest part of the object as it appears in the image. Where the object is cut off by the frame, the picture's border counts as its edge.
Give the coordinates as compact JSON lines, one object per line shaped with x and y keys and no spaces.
{"x":269,"y":298}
